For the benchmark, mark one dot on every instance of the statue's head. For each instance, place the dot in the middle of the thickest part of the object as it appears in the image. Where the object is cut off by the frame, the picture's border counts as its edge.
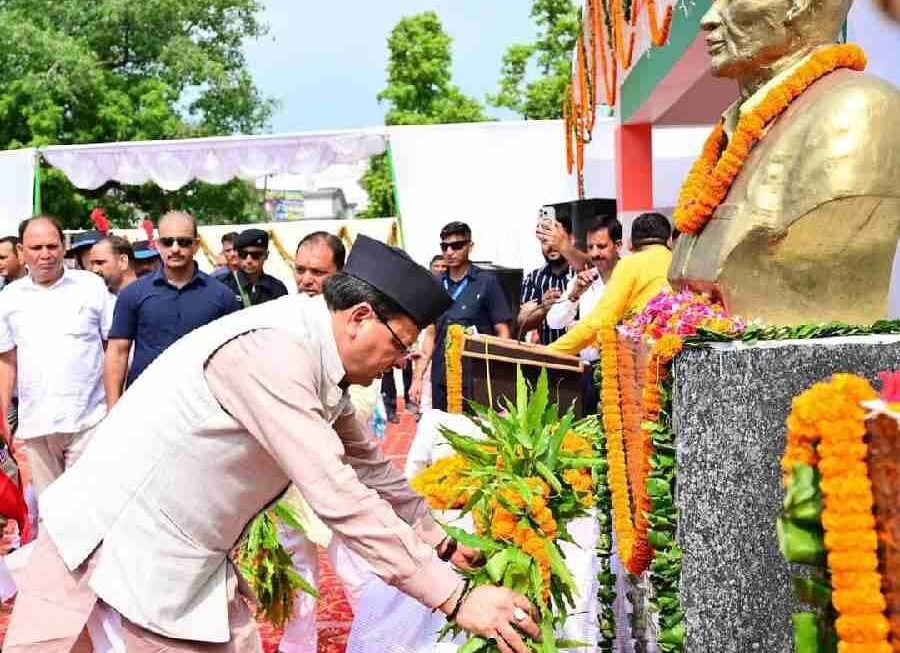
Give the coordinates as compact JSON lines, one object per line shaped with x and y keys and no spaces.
{"x":751,"y":35}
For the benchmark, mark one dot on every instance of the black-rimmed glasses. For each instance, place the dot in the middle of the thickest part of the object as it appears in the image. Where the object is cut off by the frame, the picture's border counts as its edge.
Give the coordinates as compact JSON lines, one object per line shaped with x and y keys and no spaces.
{"x":399,"y":344}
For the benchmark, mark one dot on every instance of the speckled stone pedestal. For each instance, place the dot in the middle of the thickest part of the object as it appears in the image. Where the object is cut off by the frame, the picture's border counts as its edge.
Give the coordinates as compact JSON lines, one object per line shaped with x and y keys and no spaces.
{"x":730,"y":406}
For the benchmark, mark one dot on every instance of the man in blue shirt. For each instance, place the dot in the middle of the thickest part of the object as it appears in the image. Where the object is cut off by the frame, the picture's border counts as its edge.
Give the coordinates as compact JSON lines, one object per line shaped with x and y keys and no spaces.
{"x":159,"y":308}
{"x":478,"y":301}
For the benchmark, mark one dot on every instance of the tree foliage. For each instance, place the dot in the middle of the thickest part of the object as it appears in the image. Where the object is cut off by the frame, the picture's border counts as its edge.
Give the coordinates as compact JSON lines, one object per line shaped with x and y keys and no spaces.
{"x":87,"y":71}
{"x":533,"y":76}
{"x":419,"y":91}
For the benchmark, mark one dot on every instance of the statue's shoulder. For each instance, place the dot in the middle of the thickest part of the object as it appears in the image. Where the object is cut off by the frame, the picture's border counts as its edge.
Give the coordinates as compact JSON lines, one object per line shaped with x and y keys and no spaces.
{"x":850,"y":100}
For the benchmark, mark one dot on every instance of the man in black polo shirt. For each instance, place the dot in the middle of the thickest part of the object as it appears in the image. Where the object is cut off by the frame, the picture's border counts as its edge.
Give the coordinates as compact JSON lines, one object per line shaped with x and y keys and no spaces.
{"x":543,"y":287}
{"x":251,"y":285}
{"x":478,"y":301}
{"x":160,"y":307}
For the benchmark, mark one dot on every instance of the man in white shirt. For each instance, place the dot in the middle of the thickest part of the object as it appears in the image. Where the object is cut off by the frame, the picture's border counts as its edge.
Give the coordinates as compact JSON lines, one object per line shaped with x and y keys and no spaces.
{"x":53,"y":328}
{"x":604,"y":238}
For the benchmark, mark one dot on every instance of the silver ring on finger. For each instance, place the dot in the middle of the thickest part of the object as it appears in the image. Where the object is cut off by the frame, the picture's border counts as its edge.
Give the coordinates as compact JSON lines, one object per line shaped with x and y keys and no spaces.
{"x":519,"y":614}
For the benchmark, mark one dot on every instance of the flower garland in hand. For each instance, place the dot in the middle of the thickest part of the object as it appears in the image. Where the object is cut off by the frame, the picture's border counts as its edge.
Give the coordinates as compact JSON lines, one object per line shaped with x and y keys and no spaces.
{"x":826,"y":430}
{"x":713,"y":173}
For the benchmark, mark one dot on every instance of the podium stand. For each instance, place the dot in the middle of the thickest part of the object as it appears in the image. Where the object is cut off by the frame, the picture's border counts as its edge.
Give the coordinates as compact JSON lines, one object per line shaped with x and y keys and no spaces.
{"x":489,"y":371}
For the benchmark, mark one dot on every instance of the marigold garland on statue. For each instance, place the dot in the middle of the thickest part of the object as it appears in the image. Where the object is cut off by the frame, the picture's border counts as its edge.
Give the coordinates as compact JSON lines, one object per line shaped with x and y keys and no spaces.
{"x":826,"y":435}
{"x":711,"y":176}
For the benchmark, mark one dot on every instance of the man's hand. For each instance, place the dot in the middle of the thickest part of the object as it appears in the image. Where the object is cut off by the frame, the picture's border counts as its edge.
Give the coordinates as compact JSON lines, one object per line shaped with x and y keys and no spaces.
{"x":5,"y":432}
{"x":467,"y":558}
{"x":491,"y":612}
{"x":550,"y":232}
{"x":415,"y":390}
{"x":549,"y":298}
{"x":582,"y":282}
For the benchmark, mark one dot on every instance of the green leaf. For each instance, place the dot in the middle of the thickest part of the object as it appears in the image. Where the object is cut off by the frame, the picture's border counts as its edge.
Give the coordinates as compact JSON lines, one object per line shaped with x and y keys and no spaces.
{"x":548,"y":475}
{"x":469,"y":539}
{"x":559,"y":568}
{"x":497,"y":563}
{"x":472,"y":645}
{"x":538,"y":404}
{"x":806,"y":632}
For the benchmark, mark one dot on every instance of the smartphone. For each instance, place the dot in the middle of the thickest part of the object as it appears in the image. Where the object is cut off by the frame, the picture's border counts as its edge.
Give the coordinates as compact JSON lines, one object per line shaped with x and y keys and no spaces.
{"x":546,"y":215}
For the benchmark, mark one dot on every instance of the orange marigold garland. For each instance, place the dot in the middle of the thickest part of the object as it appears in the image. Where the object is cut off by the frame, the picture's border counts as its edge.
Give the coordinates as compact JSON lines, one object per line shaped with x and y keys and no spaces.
{"x":631,"y":531}
{"x":711,"y":176}
{"x":826,"y":431}
{"x":453,"y":367}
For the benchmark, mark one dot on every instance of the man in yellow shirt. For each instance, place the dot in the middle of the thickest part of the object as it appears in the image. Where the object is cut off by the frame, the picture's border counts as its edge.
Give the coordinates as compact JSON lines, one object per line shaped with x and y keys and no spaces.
{"x":634,"y":282}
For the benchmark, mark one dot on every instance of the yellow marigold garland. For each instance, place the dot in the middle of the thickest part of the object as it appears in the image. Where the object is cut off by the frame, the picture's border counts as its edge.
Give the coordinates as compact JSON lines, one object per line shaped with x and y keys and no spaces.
{"x":711,"y":176}
{"x":826,"y":430}
{"x":453,"y":367}
{"x":443,"y":485}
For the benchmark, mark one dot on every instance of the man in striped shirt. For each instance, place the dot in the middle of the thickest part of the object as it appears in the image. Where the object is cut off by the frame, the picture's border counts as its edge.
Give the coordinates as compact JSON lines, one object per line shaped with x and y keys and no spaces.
{"x":543,"y":287}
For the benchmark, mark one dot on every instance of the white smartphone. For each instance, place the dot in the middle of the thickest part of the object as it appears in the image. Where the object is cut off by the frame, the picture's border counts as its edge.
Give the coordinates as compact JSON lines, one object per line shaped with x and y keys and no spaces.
{"x":546,"y":215}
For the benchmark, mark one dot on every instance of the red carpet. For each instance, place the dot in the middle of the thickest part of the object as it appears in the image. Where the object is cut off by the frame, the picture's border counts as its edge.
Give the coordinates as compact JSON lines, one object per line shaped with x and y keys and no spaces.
{"x":334,"y":614}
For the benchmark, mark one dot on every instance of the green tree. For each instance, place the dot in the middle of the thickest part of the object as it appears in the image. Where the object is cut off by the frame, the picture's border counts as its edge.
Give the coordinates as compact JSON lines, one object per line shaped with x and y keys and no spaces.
{"x":86,"y":71}
{"x":534,"y":76}
{"x":419,"y":91}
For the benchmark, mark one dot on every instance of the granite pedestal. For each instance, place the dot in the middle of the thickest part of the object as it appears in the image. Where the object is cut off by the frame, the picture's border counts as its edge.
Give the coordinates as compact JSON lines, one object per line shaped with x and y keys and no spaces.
{"x":730,"y":406}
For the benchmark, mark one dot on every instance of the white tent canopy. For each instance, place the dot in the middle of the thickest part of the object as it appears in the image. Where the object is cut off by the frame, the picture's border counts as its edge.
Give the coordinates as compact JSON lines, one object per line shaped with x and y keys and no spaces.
{"x":172,"y":164}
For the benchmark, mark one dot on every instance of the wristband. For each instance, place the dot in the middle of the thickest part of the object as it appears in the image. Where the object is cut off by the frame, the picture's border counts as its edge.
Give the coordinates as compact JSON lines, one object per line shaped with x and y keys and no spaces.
{"x":459,"y":601}
{"x":448,"y":552}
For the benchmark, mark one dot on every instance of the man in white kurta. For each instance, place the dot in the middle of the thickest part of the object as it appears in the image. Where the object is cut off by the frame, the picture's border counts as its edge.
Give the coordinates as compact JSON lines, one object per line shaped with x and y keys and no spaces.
{"x":137,"y":534}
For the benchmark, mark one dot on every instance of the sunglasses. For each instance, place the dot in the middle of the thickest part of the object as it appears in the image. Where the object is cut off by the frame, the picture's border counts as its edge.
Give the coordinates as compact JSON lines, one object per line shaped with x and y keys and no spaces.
{"x":254,"y":254}
{"x":183,"y":241}
{"x":455,"y":246}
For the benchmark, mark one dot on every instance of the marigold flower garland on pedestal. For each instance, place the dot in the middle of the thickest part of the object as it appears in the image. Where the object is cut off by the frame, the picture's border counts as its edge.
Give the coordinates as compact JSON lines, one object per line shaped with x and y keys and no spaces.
{"x":826,"y":431}
{"x":711,"y":176}
{"x":634,"y":550}
{"x":453,"y":367}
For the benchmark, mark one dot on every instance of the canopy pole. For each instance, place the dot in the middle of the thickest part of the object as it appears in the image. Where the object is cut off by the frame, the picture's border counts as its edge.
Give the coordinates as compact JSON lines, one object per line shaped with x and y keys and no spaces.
{"x":36,"y":204}
{"x":394,"y":191}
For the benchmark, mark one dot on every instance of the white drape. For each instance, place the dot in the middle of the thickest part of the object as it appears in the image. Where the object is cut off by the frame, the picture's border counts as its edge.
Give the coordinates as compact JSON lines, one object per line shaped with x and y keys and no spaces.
{"x":16,"y":188}
{"x":172,"y":164}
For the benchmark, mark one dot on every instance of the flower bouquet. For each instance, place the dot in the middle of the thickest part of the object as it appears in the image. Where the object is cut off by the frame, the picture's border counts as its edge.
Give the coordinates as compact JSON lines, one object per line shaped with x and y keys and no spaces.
{"x":531,"y":473}
{"x":684,"y":314}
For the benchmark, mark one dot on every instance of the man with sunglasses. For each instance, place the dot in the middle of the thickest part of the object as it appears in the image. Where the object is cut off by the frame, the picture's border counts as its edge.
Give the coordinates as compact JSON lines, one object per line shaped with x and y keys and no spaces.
{"x":478,"y":301}
{"x":250,"y":284}
{"x":137,"y":535}
{"x":160,"y":307}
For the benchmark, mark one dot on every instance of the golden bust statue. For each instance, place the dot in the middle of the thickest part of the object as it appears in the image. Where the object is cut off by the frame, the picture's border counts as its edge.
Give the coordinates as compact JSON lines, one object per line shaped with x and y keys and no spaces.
{"x":808,"y":228}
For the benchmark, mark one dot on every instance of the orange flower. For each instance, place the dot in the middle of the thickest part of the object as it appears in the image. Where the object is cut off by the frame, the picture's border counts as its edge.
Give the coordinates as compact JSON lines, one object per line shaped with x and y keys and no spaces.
{"x":711,"y":176}
{"x":829,"y":415}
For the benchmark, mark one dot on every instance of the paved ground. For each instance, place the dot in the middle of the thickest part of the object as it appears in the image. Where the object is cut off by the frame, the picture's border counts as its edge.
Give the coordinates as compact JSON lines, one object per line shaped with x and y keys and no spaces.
{"x":335,"y":615}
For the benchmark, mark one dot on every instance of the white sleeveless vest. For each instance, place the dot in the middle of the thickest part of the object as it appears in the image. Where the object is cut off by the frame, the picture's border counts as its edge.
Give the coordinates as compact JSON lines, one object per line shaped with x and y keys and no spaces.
{"x":170,"y":480}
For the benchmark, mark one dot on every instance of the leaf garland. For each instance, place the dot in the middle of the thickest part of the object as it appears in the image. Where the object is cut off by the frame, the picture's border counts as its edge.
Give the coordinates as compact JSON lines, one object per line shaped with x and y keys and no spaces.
{"x":268,"y":568}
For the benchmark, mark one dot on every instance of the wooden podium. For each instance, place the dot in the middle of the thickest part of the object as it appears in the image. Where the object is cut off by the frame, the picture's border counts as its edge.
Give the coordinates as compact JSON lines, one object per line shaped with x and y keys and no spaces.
{"x":489,"y":371}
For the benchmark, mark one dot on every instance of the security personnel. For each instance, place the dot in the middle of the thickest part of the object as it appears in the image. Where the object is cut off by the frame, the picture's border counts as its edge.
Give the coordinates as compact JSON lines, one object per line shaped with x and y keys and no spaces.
{"x":250,"y":284}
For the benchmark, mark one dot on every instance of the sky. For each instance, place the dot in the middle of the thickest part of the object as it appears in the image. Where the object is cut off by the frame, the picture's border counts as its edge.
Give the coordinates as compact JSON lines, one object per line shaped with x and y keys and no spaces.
{"x":325,"y":61}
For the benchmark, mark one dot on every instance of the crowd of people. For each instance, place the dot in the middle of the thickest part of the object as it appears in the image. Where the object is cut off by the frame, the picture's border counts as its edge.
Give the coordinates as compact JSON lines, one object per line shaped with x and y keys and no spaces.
{"x":108,"y":322}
